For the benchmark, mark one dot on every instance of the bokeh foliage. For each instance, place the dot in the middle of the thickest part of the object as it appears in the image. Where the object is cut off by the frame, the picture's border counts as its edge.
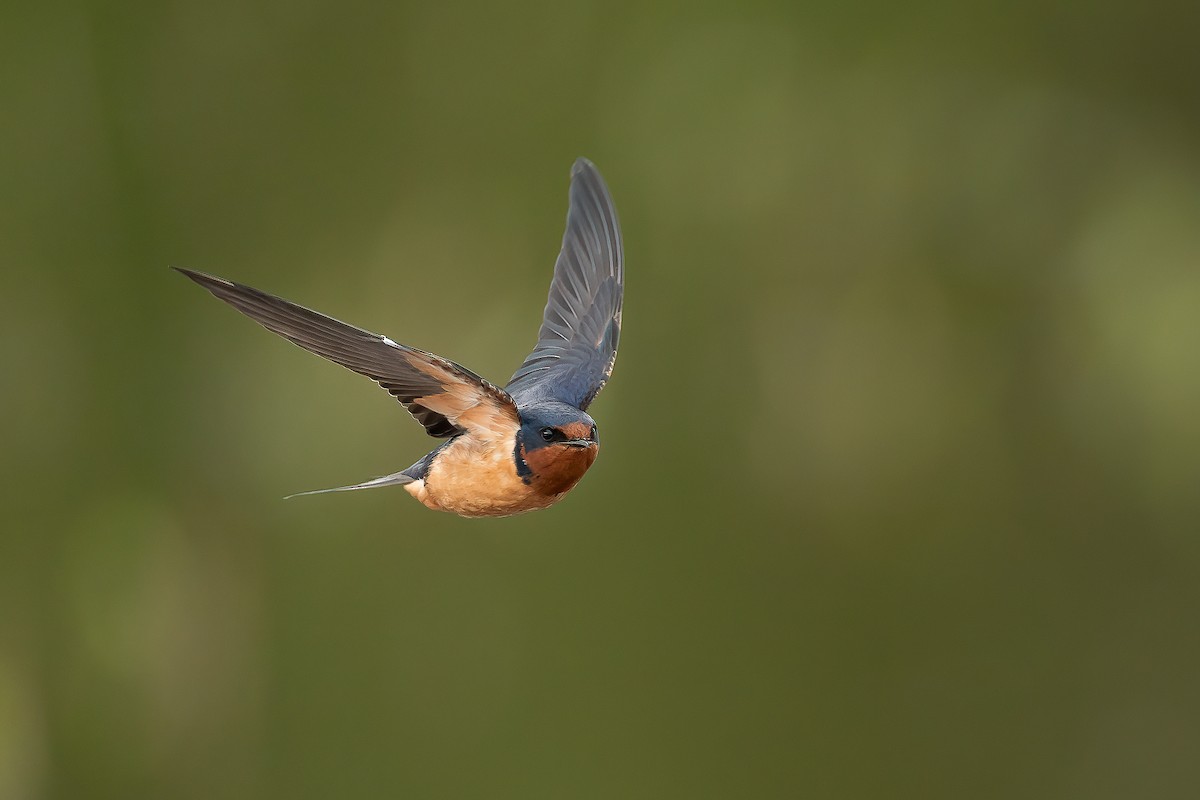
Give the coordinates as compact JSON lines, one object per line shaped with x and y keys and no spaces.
{"x":899,"y":488}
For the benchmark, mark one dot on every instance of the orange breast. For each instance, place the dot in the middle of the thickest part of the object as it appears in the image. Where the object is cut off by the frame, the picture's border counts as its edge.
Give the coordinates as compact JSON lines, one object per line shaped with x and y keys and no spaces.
{"x":474,"y":478}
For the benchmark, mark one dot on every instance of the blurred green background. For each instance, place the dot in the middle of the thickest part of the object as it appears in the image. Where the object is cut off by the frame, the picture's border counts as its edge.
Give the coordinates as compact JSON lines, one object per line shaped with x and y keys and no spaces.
{"x":900,"y":486}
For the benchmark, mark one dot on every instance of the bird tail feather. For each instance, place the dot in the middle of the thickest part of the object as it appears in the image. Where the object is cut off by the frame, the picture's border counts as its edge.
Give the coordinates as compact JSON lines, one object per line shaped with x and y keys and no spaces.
{"x":395,"y":479}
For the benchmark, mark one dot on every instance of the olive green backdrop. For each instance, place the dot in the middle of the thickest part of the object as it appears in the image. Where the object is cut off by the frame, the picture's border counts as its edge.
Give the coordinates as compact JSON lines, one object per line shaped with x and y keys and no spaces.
{"x":899,"y":494}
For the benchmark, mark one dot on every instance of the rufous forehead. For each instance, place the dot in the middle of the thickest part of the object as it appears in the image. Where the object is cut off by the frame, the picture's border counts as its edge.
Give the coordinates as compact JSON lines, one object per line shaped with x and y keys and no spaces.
{"x":577,"y":430}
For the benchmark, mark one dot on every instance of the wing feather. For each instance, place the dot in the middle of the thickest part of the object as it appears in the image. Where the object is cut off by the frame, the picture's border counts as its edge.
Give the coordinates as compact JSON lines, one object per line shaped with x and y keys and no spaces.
{"x":581,"y":326}
{"x":444,"y":397}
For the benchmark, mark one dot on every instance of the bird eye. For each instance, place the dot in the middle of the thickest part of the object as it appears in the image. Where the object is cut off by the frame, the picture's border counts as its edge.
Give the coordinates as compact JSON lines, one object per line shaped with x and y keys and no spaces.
{"x":593,"y":433}
{"x":547,"y":434}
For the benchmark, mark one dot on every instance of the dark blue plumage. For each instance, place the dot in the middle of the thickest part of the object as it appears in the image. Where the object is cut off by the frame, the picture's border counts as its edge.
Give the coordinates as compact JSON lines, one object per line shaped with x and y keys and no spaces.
{"x":581,"y":326}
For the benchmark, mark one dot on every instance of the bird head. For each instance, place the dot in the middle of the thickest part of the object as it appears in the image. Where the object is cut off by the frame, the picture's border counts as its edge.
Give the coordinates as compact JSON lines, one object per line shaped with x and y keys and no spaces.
{"x":556,"y":444}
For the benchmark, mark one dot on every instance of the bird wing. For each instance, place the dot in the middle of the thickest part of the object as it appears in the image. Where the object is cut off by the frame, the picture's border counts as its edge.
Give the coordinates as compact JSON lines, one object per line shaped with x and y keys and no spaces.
{"x":444,"y":397}
{"x":577,"y":343}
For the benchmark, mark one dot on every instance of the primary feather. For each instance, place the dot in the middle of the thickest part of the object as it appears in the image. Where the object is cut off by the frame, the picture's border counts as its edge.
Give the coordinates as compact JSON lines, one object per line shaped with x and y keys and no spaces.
{"x":581,"y":326}
{"x":444,"y":397}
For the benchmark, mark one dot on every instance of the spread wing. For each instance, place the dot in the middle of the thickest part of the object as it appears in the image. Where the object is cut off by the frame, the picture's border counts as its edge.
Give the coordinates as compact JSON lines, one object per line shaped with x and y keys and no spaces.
{"x":577,"y":343}
{"x":444,"y":397}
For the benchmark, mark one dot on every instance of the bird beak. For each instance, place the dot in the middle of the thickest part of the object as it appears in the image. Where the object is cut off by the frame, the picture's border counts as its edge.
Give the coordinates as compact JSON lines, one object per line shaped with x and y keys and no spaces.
{"x":579,"y":443}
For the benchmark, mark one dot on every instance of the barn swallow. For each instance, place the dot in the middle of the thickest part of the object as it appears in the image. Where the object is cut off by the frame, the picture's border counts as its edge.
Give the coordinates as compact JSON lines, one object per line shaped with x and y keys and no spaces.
{"x":509,"y":450}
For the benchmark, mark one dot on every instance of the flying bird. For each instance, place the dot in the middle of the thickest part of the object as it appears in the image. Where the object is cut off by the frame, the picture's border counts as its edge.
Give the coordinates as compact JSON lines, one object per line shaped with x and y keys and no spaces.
{"x":507,"y":450}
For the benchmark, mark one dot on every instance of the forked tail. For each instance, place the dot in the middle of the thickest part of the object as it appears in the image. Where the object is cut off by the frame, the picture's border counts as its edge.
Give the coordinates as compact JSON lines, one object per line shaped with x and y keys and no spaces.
{"x":395,"y":479}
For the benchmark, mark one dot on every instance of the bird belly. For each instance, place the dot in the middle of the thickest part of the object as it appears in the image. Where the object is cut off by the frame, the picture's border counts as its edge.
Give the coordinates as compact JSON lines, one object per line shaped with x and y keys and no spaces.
{"x":476,"y":478}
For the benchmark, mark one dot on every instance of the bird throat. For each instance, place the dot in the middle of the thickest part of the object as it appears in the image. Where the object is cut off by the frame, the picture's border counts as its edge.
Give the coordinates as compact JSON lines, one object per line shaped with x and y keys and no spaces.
{"x":553,"y":469}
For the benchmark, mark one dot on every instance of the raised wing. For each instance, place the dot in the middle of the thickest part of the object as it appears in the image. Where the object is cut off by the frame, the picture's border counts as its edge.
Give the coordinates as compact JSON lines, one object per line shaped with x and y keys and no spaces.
{"x":577,"y":343}
{"x":443,"y":396}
